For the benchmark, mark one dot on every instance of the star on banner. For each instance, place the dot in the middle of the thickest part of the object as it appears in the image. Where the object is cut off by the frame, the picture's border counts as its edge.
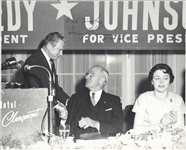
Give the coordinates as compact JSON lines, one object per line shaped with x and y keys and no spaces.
{"x":64,"y":9}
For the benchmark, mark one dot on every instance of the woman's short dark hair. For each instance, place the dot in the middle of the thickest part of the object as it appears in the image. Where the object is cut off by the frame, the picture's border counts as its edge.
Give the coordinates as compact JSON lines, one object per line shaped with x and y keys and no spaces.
{"x":165,"y":67}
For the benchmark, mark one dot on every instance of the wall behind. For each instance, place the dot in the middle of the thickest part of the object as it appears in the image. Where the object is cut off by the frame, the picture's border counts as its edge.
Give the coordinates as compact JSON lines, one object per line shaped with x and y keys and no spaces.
{"x":128,"y":70}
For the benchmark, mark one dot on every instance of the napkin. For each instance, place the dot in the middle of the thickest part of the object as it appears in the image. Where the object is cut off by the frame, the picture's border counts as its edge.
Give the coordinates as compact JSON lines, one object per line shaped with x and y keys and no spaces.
{"x":93,"y":136}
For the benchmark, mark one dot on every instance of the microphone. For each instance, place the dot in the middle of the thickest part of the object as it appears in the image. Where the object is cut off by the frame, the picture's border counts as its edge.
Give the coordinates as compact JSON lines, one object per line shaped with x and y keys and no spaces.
{"x":8,"y":63}
{"x":19,"y":64}
{"x":50,"y":99}
{"x":27,"y":68}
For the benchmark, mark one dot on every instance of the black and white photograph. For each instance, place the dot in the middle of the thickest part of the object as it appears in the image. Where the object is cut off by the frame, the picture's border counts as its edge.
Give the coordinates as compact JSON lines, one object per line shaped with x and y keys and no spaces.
{"x":93,"y":74}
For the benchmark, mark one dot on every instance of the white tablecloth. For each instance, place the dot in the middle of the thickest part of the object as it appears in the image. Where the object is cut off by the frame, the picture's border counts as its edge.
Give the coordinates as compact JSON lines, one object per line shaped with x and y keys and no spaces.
{"x":133,"y":139}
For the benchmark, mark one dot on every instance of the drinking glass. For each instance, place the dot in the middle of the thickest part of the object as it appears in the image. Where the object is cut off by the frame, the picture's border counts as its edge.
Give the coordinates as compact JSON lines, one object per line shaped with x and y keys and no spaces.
{"x":64,"y":131}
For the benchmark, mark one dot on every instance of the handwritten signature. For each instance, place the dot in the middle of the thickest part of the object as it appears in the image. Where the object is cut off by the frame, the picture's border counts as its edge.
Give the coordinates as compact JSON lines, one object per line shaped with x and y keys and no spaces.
{"x":90,"y":31}
{"x":107,"y":36}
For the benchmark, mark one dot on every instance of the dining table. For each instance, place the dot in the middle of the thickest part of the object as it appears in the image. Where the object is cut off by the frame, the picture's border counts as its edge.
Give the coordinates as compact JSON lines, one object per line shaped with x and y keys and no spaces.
{"x":132,"y":139}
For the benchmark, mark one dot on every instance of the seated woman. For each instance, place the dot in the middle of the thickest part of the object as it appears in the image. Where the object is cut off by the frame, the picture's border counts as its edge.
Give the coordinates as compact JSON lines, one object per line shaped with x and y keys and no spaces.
{"x":159,"y":109}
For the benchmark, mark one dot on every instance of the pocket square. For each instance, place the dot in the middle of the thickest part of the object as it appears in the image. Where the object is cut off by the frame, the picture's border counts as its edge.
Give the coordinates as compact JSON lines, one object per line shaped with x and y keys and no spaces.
{"x":108,"y":109}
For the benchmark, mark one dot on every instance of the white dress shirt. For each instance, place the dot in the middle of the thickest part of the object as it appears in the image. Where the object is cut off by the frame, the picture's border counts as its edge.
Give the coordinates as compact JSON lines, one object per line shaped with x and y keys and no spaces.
{"x":47,"y":58}
{"x":97,"y":95}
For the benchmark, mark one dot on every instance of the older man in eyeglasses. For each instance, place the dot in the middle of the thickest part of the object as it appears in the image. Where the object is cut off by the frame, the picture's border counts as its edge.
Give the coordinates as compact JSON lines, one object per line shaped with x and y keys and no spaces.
{"x":95,"y":111}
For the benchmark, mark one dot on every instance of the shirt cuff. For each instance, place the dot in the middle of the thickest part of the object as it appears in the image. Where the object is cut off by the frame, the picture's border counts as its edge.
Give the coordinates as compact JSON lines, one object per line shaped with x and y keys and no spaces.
{"x":98,"y":126}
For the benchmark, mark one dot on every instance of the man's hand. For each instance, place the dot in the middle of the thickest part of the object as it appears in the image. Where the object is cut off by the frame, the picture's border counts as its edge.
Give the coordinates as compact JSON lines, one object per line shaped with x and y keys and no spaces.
{"x":86,"y":122}
{"x":62,"y":111}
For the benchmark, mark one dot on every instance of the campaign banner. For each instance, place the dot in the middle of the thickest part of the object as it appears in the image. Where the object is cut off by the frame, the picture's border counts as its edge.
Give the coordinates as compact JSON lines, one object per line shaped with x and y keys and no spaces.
{"x":95,"y":25}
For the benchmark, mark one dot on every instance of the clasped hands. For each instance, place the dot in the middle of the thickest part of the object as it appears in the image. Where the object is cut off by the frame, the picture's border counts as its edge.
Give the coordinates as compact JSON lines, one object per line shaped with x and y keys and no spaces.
{"x":168,"y":120}
{"x":86,"y":122}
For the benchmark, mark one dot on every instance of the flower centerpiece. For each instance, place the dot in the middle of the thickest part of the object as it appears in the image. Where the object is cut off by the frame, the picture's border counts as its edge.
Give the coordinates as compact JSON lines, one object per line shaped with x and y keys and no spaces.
{"x":167,"y":139}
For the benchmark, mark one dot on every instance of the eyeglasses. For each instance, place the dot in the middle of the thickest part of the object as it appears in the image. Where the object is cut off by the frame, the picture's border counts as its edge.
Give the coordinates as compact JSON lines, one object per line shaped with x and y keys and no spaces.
{"x":90,"y":74}
{"x":157,"y":78}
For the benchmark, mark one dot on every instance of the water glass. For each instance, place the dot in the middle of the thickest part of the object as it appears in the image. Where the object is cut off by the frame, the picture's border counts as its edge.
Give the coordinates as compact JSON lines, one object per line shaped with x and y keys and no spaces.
{"x":64,"y":131}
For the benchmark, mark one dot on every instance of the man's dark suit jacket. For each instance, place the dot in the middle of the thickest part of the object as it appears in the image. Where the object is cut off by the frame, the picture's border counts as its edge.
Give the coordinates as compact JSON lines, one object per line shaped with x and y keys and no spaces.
{"x":38,"y":77}
{"x":109,"y":112}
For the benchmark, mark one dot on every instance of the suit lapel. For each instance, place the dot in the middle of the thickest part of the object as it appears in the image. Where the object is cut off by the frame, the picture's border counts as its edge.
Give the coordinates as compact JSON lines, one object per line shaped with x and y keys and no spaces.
{"x":44,"y":63}
{"x":102,"y":103}
{"x":43,"y":60}
{"x":81,"y":102}
{"x":77,"y":109}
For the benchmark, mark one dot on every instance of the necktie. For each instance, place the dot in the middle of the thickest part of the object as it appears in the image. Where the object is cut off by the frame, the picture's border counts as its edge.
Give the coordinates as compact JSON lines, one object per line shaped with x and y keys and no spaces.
{"x":93,"y":99}
{"x":53,"y":70}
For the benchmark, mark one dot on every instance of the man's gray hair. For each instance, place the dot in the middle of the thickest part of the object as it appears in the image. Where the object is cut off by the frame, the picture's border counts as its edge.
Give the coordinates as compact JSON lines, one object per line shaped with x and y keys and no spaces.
{"x":106,"y":74}
{"x":104,"y":71}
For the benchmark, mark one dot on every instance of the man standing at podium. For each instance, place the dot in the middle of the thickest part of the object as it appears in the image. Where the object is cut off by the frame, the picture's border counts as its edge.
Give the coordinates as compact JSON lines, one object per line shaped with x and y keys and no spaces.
{"x":37,"y":77}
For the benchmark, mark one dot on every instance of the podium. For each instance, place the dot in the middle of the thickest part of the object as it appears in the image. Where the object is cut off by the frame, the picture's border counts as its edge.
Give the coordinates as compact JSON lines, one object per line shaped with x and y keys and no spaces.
{"x":22,"y":112}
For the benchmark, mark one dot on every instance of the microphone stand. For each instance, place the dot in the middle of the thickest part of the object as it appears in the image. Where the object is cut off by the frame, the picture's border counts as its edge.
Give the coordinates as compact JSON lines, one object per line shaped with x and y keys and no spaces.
{"x":50,"y":100}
